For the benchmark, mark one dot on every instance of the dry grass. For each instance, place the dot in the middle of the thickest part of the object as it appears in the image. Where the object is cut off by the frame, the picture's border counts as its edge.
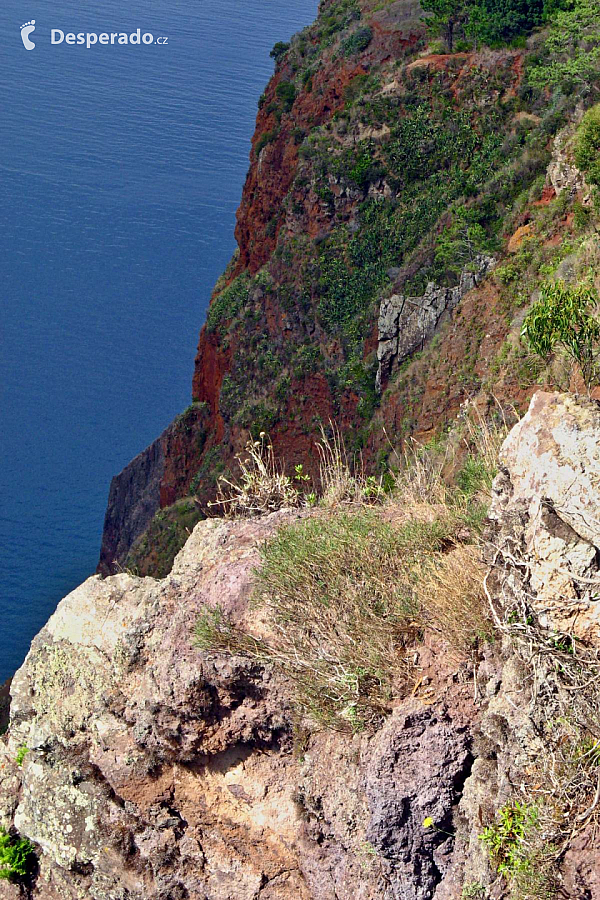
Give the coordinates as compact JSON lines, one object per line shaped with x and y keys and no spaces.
{"x":452,"y":603}
{"x":348,"y":591}
{"x":340,"y":593}
{"x":343,"y":480}
{"x":262,"y":487}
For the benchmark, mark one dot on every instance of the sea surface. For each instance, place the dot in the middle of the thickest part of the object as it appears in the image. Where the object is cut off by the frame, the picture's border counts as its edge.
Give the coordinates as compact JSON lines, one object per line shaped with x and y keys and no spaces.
{"x":121,"y":168}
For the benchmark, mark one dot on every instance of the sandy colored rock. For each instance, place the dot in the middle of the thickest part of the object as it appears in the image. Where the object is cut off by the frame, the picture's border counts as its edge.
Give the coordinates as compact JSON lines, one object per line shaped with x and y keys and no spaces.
{"x":547,"y":504}
{"x":157,"y":771}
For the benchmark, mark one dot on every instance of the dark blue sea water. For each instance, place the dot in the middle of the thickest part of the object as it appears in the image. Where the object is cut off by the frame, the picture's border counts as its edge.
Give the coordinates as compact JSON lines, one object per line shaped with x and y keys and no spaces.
{"x":120,"y":171}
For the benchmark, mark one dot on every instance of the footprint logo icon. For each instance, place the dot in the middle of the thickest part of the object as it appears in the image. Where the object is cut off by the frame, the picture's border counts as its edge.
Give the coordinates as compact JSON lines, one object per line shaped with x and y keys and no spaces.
{"x":26,"y":30}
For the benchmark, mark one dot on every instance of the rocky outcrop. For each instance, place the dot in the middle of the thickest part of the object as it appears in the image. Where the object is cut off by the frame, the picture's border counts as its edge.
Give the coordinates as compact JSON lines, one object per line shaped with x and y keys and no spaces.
{"x":417,"y":768}
{"x":157,"y":771}
{"x":133,"y":499}
{"x":563,"y":174}
{"x":405,"y":323}
{"x":546,"y":511}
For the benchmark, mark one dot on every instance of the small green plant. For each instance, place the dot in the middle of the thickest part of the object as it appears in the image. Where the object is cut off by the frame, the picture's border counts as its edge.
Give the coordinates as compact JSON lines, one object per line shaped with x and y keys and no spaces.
{"x":506,"y":838}
{"x":474,"y":890}
{"x":21,"y":754}
{"x":565,"y":317}
{"x":15,"y":856}
{"x":300,"y":474}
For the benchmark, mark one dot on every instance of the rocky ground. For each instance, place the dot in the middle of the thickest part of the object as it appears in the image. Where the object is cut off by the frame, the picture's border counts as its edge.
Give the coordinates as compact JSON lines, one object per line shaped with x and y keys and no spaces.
{"x":156,"y":770}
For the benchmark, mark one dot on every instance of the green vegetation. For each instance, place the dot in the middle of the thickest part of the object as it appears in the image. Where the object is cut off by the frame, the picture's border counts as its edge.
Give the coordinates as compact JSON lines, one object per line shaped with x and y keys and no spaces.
{"x":520,"y":852}
{"x":506,"y":838}
{"x":228,"y":303}
{"x":587,"y":146}
{"x":566,"y":317}
{"x":154,"y":552}
{"x":287,"y":93}
{"x":433,"y":158}
{"x":570,"y":57}
{"x":279,"y":50}
{"x":474,"y":890}
{"x":444,"y":16}
{"x":16,"y":857}
{"x":486,"y":21}
{"x":267,"y":138}
{"x":357,"y":42}
{"x":21,"y":754}
{"x":349,"y":590}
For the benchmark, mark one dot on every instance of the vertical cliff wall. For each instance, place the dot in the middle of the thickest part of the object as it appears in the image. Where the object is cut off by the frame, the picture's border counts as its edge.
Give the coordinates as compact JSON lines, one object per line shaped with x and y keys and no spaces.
{"x":381,"y":171}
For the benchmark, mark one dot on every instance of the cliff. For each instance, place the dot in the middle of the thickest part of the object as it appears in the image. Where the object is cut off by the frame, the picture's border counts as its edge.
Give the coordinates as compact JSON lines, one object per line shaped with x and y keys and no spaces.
{"x":381,"y":171}
{"x":388,"y":687}
{"x":142,"y":766}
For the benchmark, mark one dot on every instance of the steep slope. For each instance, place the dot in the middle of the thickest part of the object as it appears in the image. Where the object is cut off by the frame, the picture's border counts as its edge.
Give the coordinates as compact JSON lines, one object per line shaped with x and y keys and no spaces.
{"x":386,"y":182}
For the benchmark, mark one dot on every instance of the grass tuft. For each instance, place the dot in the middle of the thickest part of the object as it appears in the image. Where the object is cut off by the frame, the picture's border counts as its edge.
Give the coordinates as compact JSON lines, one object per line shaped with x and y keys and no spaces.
{"x":262,"y":486}
{"x":16,"y":857}
{"x":348,"y":592}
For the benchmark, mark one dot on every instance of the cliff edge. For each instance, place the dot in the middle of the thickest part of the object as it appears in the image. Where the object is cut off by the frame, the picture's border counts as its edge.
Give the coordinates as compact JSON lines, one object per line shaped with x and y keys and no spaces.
{"x":141,"y":766}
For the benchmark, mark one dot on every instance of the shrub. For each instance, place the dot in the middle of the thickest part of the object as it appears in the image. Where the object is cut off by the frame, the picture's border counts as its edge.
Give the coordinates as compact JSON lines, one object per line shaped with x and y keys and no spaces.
{"x":16,"y":856}
{"x":262,"y":487}
{"x":587,"y":146}
{"x":279,"y":50}
{"x":266,"y":138}
{"x":357,"y":42}
{"x":287,"y":92}
{"x":565,"y":317}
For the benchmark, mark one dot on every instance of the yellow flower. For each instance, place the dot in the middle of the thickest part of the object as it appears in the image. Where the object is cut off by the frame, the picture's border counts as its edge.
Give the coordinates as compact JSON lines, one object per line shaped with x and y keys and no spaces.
{"x":428,"y":822}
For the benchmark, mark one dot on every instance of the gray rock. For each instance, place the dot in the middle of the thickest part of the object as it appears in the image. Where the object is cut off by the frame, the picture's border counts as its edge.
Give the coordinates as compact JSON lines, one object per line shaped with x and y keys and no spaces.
{"x":416,"y":771}
{"x":405,"y":323}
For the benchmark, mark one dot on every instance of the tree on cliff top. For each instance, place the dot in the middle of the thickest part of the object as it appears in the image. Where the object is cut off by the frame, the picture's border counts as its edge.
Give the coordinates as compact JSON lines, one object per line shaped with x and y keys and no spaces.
{"x":490,"y":21}
{"x":444,"y":16}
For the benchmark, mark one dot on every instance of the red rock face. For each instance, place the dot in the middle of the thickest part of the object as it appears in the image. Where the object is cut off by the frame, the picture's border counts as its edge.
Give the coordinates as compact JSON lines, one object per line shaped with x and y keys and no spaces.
{"x":272,"y":171}
{"x":283,"y":208}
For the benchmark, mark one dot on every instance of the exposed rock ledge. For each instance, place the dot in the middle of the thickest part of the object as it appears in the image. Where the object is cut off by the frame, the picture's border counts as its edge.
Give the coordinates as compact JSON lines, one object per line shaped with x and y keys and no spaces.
{"x":157,"y":772}
{"x":405,"y":323}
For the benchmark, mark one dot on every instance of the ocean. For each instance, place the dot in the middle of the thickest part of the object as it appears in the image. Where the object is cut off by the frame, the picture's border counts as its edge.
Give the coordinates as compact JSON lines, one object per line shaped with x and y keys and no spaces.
{"x":121,"y":167}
